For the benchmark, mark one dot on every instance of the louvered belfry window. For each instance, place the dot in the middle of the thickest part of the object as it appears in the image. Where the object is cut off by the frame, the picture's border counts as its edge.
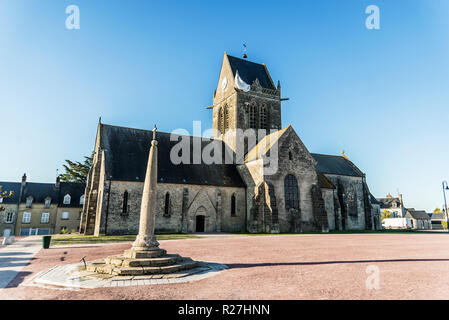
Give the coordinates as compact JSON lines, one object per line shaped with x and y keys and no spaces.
{"x":263,"y":117}
{"x":253,"y":116}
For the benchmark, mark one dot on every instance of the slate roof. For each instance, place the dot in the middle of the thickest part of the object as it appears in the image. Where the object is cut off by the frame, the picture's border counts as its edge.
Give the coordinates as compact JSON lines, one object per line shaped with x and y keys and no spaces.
{"x":126,"y":158}
{"x":336,"y":165}
{"x":249,"y":71}
{"x":386,"y":203}
{"x":418,"y":214}
{"x":11,"y":186}
{"x":373,"y":200}
{"x":39,"y":192}
{"x":75,"y":190}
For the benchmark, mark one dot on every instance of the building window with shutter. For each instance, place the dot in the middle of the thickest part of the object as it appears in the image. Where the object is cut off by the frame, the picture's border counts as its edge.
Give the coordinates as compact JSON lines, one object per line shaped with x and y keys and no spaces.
{"x":9,"y":217}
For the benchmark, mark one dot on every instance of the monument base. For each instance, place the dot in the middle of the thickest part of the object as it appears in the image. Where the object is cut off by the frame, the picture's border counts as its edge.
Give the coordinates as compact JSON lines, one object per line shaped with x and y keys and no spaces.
{"x":142,"y":262}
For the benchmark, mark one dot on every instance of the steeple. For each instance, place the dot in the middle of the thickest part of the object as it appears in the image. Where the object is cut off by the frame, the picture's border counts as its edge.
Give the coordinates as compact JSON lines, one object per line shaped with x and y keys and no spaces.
{"x":245,"y":98}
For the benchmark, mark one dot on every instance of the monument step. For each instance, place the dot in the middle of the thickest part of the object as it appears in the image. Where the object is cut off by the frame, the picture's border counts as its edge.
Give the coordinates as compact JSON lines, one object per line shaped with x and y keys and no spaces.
{"x":144,"y":254}
{"x":122,"y":261}
{"x":185,"y":264}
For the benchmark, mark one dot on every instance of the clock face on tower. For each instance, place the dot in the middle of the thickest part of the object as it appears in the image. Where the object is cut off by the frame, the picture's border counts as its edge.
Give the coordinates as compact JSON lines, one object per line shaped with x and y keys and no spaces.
{"x":224,"y":84}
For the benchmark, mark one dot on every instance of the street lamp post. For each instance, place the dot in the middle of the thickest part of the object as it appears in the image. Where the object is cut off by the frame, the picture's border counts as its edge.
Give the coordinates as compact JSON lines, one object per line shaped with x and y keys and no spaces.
{"x":445,"y":203}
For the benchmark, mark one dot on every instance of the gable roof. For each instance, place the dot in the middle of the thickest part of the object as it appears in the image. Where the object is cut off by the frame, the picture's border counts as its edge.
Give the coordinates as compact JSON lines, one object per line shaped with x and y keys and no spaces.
{"x":126,"y":157}
{"x":386,"y":203}
{"x":250,"y":71}
{"x":264,"y":145}
{"x":336,"y":165}
{"x":418,"y":214}
{"x":11,"y":186}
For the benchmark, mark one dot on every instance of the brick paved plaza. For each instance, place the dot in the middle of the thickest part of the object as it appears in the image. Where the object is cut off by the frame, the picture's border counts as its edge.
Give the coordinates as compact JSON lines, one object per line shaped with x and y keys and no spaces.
{"x":327,"y":266}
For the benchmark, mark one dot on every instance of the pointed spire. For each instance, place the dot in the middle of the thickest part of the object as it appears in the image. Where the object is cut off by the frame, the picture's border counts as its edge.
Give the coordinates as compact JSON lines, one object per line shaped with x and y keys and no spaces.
{"x":279,"y":85}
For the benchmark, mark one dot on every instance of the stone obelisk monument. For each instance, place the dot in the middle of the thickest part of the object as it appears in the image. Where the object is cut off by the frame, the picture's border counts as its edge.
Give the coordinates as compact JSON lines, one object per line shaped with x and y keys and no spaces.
{"x":145,"y":257}
{"x":146,"y":239}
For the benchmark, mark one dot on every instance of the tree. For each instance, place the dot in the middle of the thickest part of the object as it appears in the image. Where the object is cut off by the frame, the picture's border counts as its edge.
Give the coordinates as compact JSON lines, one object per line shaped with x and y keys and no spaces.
{"x":437,"y":210}
{"x":385,"y":215}
{"x":76,"y":171}
{"x":5,"y":194}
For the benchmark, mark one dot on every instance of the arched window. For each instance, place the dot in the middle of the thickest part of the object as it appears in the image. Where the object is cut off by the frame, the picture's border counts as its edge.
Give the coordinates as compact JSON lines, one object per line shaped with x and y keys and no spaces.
{"x":290,"y":155}
{"x":252,"y":115}
{"x":263,"y":117}
{"x":291,"y":192}
{"x":125,"y":202}
{"x":220,"y":121}
{"x":233,"y":205}
{"x":167,"y":204}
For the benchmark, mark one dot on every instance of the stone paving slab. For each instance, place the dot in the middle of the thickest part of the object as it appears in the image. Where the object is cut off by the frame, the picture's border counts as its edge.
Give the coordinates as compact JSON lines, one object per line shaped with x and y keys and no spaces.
{"x":14,"y":257}
{"x":72,"y":277}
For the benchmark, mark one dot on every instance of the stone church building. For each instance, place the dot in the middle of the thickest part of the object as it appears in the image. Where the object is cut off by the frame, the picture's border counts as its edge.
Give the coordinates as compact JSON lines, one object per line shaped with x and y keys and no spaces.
{"x":306,"y":192}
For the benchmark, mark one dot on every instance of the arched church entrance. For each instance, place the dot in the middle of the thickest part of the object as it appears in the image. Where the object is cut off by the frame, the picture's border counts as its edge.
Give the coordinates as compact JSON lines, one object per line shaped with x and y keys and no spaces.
{"x":200,"y":220}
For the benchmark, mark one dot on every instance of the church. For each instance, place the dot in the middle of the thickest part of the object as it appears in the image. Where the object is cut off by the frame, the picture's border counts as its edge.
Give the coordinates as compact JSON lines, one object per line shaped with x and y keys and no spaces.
{"x":268,"y":184}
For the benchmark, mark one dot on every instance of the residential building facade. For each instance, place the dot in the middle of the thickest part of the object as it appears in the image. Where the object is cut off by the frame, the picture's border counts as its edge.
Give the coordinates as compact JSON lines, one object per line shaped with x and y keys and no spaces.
{"x":41,"y":208}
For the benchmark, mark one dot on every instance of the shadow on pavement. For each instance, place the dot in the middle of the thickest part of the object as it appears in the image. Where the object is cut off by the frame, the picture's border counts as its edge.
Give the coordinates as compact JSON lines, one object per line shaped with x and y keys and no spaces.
{"x":268,"y":264}
{"x":18,"y":279}
{"x":14,"y":253}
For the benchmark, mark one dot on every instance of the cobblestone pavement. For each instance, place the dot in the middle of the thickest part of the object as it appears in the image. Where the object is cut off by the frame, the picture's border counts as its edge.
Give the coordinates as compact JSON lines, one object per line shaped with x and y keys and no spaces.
{"x":324,"y":266}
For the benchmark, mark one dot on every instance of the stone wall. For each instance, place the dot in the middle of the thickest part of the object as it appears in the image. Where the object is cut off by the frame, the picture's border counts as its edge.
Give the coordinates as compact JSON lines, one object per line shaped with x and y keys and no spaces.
{"x":350,"y":193}
{"x":185,"y":203}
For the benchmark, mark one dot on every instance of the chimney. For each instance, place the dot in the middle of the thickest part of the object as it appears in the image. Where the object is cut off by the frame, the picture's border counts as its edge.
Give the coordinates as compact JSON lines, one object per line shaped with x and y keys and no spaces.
{"x":24,"y":180}
{"x":400,"y":198}
{"x":58,"y":181}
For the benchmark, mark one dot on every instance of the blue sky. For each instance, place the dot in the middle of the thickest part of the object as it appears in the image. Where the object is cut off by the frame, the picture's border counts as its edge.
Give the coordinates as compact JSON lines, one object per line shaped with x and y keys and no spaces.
{"x":380,"y":95}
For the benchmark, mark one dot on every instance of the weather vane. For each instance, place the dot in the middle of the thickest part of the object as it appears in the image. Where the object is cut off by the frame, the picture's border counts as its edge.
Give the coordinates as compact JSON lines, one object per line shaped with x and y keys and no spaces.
{"x":244,"y":51}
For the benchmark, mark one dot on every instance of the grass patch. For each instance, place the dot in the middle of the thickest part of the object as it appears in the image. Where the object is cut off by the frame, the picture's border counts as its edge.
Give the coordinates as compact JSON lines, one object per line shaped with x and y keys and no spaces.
{"x":81,"y":239}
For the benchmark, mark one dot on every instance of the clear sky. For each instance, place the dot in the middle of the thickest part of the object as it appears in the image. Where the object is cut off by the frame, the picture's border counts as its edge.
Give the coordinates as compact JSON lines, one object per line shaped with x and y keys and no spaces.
{"x":380,"y":95}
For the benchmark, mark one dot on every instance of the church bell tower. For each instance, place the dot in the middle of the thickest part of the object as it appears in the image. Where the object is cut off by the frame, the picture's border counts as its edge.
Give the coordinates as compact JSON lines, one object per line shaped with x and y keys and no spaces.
{"x":245,"y":98}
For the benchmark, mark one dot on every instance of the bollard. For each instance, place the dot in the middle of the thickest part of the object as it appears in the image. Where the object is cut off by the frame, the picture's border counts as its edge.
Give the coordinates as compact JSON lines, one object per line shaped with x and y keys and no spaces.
{"x":5,"y":241}
{"x":12,"y":239}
